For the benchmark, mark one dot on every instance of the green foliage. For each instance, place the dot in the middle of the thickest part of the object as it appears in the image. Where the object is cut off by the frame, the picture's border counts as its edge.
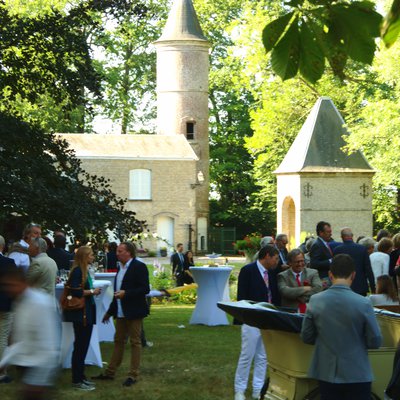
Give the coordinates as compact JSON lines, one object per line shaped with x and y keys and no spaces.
{"x":311,"y":32}
{"x":391,"y":25}
{"x":128,"y":67}
{"x":45,"y":183}
{"x":249,"y":245}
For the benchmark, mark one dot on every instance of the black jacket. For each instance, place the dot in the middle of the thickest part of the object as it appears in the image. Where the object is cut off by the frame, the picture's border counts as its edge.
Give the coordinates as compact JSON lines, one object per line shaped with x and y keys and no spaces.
{"x":136,"y":286}
{"x":5,"y":300}
{"x":361,"y":259}
{"x":251,"y":285}
{"x":320,"y":257}
{"x":62,"y":257}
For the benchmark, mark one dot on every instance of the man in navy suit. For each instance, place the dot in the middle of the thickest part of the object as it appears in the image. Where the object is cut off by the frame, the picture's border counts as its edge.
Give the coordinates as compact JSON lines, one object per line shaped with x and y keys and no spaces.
{"x":320,"y":253}
{"x":257,"y":282}
{"x":178,"y":263}
{"x":362,"y":262}
{"x":5,"y":310}
{"x":341,"y":338}
{"x":128,"y":307}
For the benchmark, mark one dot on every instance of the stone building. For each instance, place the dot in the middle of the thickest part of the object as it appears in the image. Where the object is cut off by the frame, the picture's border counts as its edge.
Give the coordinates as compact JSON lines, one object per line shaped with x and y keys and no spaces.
{"x":165,"y":177}
{"x":318,"y":181}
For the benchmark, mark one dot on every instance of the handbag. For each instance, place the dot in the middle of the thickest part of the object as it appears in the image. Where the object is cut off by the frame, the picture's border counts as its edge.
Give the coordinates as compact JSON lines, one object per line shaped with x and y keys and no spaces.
{"x":69,"y":302}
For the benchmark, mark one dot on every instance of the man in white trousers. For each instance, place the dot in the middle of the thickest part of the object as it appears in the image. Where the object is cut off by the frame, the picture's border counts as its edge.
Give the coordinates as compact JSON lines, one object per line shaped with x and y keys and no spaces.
{"x":257,"y":282}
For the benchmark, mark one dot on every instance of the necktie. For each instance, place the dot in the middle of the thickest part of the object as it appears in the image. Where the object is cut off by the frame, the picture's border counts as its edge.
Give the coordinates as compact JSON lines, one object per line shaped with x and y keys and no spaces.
{"x":266,"y":280}
{"x":302,"y":306}
{"x":329,"y":249}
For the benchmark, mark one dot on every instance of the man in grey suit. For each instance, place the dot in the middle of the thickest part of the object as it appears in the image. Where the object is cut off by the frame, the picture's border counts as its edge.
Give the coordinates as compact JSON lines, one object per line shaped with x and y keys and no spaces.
{"x":342,"y":325}
{"x":297,"y":284}
{"x":43,"y":270}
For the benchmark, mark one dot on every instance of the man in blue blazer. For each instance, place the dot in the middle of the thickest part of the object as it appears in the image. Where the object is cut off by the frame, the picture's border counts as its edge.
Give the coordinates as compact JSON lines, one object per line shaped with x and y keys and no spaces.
{"x":320,"y":252}
{"x":257,"y":282}
{"x":128,"y":307}
{"x":342,"y":326}
{"x":362,"y":262}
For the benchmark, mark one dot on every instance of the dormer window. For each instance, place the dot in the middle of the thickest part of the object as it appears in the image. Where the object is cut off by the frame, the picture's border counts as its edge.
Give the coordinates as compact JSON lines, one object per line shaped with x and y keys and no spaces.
{"x":190,"y":130}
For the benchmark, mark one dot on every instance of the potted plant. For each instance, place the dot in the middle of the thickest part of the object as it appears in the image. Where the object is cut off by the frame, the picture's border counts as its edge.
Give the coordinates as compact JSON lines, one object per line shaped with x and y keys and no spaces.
{"x":163,"y":252}
{"x":249,"y":245}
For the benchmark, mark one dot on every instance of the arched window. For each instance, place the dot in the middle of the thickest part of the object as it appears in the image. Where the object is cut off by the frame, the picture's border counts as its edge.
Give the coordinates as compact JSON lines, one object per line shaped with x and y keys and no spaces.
{"x":140,"y":184}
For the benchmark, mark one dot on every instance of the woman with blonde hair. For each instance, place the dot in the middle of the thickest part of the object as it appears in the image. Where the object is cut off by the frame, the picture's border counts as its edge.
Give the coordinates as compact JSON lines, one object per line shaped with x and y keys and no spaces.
{"x":83,"y":320}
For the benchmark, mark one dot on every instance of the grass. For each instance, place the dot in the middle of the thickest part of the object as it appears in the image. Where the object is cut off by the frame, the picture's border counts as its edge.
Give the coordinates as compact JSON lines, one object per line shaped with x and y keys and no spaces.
{"x":196,"y":362}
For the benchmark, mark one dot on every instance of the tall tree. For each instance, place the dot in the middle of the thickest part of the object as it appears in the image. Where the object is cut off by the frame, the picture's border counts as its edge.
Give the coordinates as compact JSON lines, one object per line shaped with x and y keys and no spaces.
{"x":45,"y":60}
{"x":127,"y":65}
{"x":46,"y":183}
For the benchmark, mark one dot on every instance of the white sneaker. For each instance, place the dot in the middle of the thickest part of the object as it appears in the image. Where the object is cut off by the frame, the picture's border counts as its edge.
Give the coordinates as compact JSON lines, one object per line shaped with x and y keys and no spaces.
{"x":256,"y":395}
{"x":83,"y":386}
{"x":240,"y":396}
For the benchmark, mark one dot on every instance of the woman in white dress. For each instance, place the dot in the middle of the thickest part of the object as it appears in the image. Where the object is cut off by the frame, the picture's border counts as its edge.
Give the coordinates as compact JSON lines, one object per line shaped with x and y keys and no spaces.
{"x":385,"y":292}
{"x":380,"y":259}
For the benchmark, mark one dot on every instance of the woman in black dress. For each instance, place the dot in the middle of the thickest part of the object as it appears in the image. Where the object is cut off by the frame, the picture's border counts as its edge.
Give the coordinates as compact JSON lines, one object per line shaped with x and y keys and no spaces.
{"x":83,"y":320}
{"x":188,"y":262}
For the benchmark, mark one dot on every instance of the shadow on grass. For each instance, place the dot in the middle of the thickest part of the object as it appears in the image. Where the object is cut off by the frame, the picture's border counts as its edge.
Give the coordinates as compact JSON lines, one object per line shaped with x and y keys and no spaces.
{"x":192,"y":363}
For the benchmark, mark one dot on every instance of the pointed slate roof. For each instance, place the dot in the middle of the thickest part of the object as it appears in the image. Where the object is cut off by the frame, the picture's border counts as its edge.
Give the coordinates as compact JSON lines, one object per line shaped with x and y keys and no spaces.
{"x":182,"y":23}
{"x":318,"y":146}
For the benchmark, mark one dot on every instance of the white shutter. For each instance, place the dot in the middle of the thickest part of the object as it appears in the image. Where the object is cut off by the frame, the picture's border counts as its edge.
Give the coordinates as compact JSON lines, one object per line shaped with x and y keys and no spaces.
{"x":140,"y":184}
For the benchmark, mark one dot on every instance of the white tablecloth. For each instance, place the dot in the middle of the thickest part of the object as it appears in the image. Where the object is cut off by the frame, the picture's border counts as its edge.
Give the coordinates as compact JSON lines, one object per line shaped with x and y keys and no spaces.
{"x":106,"y":276}
{"x":106,"y":331}
{"x":213,"y":287}
{"x":100,"y":330}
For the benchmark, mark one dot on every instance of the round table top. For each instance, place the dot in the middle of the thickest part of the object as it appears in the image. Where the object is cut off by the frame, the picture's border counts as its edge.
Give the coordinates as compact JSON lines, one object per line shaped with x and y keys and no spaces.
{"x":105,"y":274}
{"x":223,"y":268}
{"x":96,"y":284}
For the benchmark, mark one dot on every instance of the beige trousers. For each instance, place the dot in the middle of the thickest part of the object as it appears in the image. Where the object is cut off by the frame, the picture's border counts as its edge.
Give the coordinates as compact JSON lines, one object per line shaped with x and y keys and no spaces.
{"x":123,"y":329}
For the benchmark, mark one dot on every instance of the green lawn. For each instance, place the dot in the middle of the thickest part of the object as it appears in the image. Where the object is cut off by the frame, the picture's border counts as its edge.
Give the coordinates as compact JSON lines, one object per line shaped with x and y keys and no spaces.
{"x":196,"y":362}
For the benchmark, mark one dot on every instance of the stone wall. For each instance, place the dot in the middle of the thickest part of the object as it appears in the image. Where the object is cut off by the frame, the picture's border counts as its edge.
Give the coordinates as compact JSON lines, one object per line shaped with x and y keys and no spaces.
{"x":342,"y":199}
{"x":172,"y":195}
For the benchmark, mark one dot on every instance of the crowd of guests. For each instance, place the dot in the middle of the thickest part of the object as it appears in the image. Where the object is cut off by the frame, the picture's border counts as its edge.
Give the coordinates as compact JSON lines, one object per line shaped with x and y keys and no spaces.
{"x":290,"y":279}
{"x":30,"y":316}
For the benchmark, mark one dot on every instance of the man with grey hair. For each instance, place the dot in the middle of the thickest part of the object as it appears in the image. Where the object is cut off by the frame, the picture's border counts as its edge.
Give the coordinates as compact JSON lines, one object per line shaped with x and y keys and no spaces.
{"x":5,"y":309}
{"x":361,"y":260}
{"x":297,"y":284}
{"x":42,"y":272}
{"x":368,"y":243}
{"x":281,"y":242}
{"x":264,"y":242}
{"x":19,"y":250}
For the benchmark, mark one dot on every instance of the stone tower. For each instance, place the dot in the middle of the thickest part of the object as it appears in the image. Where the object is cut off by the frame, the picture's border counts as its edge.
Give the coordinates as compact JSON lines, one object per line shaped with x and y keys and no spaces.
{"x":182,"y":99}
{"x":318,"y":181}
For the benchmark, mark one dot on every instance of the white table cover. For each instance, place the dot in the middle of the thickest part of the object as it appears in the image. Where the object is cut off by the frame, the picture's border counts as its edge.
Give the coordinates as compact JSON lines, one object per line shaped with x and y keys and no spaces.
{"x":213,"y":287}
{"x":93,"y":356}
{"x":106,"y":331}
{"x":106,"y":276}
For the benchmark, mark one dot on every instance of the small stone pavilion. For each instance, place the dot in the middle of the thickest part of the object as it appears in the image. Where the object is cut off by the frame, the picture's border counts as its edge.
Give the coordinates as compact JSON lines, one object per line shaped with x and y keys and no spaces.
{"x":317,"y":180}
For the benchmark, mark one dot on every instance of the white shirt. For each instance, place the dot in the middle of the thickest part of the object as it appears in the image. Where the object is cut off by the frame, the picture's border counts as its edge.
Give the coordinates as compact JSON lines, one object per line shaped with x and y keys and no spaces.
{"x":118,"y":283}
{"x":21,"y":259}
{"x":35,"y":336}
{"x":297,"y":273}
{"x":379,"y":263}
{"x":382,"y":300}
{"x":261,"y":269}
